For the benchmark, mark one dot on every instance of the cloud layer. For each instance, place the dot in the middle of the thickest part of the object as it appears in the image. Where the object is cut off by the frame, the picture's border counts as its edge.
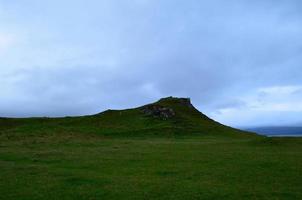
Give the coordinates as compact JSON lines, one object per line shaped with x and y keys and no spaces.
{"x":80,"y":57}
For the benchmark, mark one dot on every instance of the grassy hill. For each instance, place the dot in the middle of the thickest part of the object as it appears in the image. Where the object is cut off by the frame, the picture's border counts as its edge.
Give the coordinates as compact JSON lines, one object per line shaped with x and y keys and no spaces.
{"x":186,"y":120}
{"x":164,"y":150}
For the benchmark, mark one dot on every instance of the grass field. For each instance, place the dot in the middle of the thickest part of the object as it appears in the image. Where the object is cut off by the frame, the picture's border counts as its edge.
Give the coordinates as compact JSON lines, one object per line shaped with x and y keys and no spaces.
{"x":75,"y":158}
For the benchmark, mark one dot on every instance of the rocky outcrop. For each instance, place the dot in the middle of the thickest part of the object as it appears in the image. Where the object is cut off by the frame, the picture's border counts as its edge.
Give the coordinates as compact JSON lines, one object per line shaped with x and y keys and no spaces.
{"x":182,"y":101}
{"x":186,"y":102}
{"x":158,"y":111}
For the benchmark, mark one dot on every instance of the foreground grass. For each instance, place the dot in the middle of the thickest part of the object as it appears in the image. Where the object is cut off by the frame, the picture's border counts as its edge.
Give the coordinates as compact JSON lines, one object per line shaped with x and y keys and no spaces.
{"x":79,"y":166}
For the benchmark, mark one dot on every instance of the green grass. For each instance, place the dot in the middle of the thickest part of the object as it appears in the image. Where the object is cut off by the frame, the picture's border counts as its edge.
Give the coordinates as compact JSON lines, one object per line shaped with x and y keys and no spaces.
{"x":126,"y":155}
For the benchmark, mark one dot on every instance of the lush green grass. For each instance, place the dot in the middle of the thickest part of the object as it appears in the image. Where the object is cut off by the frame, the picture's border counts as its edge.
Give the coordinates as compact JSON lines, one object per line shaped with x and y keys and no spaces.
{"x":126,"y":155}
{"x":95,"y":167}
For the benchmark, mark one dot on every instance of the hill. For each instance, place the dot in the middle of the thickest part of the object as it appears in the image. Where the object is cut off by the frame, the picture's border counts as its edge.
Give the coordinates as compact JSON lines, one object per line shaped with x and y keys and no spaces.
{"x":162,"y":151}
{"x":168,"y":116}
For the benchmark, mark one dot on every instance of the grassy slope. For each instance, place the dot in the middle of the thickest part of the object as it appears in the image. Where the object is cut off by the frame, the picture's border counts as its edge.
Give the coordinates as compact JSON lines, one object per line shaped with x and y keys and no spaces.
{"x":131,"y":122}
{"x":126,"y":155}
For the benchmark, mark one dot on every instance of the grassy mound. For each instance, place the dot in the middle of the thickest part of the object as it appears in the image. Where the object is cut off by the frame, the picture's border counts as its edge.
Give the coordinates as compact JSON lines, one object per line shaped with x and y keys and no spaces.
{"x":186,"y":120}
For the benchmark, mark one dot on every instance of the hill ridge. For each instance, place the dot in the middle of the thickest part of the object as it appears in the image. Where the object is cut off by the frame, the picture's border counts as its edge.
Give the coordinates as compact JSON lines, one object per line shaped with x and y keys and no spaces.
{"x":169,"y":115}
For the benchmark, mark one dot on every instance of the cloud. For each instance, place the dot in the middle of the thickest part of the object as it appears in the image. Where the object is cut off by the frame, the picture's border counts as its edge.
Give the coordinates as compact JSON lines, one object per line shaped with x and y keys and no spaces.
{"x":277,"y":105}
{"x":229,"y":57}
{"x":5,"y":42}
{"x":280,"y":90}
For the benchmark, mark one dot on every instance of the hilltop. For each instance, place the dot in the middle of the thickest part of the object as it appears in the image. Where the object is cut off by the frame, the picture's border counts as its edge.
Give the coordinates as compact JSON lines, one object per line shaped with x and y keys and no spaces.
{"x":168,"y":116}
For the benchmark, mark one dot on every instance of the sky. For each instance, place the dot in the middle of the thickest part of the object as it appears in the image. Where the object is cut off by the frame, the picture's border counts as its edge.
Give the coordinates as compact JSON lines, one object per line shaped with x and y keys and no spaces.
{"x":239,"y":61}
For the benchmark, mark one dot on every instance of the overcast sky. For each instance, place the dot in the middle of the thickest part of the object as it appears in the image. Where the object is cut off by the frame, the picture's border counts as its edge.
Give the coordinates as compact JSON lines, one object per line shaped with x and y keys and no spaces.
{"x":240,"y":61}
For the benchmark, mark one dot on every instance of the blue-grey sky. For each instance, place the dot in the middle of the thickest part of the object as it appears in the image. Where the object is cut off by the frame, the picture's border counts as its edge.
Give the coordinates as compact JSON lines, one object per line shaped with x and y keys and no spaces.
{"x":240,"y":61}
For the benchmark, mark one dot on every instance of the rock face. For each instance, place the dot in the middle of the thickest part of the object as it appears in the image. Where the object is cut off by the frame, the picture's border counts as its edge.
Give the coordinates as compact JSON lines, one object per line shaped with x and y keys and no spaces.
{"x":158,"y":111}
{"x":182,"y":101}
{"x":185,"y":102}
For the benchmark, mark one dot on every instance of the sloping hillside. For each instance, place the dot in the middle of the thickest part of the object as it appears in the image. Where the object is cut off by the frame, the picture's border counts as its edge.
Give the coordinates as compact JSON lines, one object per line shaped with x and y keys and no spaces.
{"x":167,"y":116}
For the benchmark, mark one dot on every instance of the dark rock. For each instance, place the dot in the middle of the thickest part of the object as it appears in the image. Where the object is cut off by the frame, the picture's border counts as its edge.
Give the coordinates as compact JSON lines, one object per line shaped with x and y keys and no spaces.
{"x":185,"y":102}
{"x":158,"y":111}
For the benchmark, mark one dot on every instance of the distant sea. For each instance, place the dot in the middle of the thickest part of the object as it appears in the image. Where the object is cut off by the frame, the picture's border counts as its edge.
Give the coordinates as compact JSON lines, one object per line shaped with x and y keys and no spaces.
{"x":275,"y":131}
